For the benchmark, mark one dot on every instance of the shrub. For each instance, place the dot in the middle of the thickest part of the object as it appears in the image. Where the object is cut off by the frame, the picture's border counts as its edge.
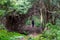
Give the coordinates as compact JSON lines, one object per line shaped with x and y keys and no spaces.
{"x":5,"y":35}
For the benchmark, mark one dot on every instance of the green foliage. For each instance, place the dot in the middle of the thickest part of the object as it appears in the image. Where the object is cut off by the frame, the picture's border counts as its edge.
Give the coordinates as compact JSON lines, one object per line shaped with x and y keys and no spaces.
{"x":21,"y":5}
{"x":28,"y":22}
{"x":52,"y":33}
{"x":58,"y":22}
{"x":5,"y":35}
{"x":2,"y":12}
{"x":53,"y":2}
{"x":2,"y":2}
{"x":36,"y":21}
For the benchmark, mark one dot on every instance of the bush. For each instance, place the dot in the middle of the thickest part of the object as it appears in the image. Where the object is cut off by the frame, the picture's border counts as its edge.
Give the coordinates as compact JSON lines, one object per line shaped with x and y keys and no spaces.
{"x":53,"y":32}
{"x":5,"y":35}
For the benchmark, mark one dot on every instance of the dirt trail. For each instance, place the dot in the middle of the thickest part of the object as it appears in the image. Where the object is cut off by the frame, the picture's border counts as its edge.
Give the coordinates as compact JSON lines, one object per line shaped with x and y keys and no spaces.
{"x":32,"y":35}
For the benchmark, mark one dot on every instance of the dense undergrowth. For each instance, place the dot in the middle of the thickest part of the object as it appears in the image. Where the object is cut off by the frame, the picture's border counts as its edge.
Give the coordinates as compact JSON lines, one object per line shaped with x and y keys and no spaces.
{"x":5,"y":35}
{"x":52,"y":33}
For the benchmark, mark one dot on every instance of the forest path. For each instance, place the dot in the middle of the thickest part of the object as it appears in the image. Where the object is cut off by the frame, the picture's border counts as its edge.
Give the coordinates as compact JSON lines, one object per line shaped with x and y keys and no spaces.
{"x":32,"y":36}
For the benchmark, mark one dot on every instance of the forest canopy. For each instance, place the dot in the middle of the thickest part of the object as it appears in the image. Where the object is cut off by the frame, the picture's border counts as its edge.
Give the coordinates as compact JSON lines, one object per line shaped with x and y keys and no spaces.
{"x":22,"y":6}
{"x":19,"y":5}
